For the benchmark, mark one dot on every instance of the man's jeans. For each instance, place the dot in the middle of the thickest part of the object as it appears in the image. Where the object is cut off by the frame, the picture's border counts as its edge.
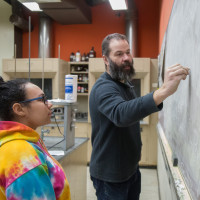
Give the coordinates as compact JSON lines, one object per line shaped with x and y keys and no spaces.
{"x":128,"y":190}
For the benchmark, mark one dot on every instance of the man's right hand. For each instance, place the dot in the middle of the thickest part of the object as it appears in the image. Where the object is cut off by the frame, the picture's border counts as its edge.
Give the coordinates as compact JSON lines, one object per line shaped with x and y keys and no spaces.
{"x":173,"y":76}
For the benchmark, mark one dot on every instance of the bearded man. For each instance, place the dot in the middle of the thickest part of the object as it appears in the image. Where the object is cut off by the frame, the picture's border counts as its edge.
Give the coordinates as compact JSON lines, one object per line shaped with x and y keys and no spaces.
{"x":115,"y":113}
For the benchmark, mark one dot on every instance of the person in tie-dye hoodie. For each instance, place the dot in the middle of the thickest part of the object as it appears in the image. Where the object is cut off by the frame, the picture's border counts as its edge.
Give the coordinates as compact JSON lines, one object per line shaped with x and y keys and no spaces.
{"x":27,"y":170}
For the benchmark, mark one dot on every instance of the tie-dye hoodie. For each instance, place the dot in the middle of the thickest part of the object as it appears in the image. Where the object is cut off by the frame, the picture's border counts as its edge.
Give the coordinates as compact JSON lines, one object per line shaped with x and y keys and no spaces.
{"x":27,"y":170}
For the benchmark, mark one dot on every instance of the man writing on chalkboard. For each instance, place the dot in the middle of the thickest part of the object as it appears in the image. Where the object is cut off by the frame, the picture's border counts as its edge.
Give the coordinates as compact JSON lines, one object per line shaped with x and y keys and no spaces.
{"x":115,"y":114}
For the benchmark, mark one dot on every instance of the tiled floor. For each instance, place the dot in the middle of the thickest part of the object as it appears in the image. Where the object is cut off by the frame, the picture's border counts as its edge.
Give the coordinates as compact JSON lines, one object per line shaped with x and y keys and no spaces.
{"x":149,"y":185}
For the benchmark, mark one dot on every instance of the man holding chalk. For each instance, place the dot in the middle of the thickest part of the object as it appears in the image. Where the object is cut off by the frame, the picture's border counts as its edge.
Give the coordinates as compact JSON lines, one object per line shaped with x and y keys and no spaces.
{"x":115,"y":115}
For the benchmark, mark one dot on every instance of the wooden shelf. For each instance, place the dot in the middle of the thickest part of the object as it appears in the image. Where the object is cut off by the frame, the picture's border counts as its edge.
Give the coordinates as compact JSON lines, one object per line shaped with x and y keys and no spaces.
{"x":82,"y":120}
{"x":82,"y":94}
{"x":82,"y":83}
{"x":78,"y":63}
{"x":79,"y":72}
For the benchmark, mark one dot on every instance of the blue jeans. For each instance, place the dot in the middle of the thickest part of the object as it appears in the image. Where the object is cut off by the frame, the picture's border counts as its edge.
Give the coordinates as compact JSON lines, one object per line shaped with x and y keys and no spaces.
{"x":128,"y":190}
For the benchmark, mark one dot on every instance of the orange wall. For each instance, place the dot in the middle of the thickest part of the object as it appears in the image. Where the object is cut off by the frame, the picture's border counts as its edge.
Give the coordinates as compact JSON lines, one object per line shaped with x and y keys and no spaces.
{"x":104,"y":21}
{"x":83,"y":36}
{"x":148,"y":16}
{"x":165,"y":11}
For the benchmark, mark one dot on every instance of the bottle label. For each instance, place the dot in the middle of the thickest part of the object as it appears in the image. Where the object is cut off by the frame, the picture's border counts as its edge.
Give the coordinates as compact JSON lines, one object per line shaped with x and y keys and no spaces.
{"x":69,"y":85}
{"x":69,"y":89}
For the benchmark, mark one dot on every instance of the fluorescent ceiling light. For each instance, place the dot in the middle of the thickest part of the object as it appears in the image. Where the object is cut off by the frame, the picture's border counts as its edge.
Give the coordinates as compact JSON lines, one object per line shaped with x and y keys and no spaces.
{"x":47,"y":1}
{"x":118,"y":4}
{"x":40,"y":1}
{"x":33,"y":6}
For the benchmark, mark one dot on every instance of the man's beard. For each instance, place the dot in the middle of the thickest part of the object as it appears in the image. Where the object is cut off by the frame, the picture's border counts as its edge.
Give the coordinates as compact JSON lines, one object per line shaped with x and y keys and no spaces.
{"x":119,"y":73}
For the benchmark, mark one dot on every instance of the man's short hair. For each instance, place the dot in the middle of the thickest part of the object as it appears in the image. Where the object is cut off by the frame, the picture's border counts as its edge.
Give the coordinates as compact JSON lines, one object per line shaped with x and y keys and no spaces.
{"x":107,"y":39}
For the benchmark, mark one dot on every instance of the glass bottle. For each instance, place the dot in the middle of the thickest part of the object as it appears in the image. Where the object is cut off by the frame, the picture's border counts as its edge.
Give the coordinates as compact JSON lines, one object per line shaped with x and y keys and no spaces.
{"x":92,"y":53}
{"x":83,"y":57}
{"x":71,"y":57}
{"x":87,"y":57}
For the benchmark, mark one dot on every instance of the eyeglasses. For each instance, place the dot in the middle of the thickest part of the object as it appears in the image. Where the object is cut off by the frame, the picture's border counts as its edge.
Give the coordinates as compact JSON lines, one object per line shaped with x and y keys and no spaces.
{"x":43,"y":98}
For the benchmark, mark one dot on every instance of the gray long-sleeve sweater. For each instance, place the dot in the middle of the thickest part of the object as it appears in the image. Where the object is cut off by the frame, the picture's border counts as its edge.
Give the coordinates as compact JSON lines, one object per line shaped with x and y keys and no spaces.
{"x":115,"y":114}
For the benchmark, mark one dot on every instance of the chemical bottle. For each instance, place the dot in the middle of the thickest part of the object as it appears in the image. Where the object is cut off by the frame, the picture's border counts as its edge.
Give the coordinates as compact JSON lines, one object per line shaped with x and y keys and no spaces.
{"x":87,"y":57}
{"x":92,"y":53}
{"x":83,"y":57}
{"x":72,"y":57}
{"x":78,"y":56}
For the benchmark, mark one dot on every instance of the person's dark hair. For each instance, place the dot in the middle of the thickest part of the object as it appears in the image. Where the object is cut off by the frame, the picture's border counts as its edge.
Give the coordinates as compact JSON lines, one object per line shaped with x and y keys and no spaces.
{"x":10,"y":92}
{"x":106,"y":42}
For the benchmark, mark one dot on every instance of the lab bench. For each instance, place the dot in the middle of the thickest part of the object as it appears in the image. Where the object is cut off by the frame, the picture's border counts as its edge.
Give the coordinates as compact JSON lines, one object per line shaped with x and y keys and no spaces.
{"x":74,"y":163}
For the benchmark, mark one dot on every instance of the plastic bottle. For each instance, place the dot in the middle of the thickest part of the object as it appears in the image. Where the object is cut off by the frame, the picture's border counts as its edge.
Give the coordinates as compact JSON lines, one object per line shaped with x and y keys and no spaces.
{"x":78,"y":56}
{"x":70,"y":88}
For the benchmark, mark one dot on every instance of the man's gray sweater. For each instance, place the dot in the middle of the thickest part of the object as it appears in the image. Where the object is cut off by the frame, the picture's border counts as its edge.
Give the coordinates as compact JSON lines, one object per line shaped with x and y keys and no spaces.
{"x":115,"y":115}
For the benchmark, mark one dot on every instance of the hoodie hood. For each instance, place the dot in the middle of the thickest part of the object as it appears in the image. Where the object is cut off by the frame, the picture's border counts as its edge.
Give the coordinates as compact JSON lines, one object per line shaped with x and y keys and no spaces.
{"x":10,"y":130}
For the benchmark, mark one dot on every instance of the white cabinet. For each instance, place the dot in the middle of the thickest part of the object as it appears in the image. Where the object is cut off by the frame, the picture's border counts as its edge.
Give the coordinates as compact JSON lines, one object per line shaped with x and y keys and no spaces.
{"x":54,"y":69}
